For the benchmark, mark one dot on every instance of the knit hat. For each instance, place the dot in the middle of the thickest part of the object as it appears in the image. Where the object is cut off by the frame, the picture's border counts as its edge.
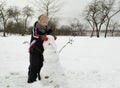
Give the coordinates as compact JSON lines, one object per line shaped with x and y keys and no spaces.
{"x":43,"y":18}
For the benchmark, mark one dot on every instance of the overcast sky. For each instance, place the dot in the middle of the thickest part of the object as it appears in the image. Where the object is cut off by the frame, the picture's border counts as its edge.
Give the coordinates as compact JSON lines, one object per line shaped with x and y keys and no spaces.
{"x":70,"y":9}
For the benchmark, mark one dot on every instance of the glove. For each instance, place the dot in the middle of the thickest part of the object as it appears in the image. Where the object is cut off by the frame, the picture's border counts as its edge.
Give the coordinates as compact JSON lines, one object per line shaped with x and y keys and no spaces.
{"x":55,"y":37}
{"x":44,"y":38}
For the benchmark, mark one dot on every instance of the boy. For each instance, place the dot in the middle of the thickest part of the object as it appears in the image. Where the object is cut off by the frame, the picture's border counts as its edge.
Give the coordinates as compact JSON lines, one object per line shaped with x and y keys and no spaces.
{"x":36,"y":49}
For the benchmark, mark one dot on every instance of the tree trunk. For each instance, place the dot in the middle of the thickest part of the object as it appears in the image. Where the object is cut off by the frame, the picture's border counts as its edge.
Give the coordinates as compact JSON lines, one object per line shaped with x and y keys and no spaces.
{"x":22,"y":30}
{"x":92,"y":33}
{"x":97,"y":31}
{"x":93,"y":28}
{"x":4,"y":32}
{"x":25,"y":27}
{"x":113,"y":30}
{"x":107,"y":27}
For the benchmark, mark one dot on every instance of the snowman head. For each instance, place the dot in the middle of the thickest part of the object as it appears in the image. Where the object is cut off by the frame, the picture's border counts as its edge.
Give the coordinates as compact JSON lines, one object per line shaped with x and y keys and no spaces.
{"x":50,"y":43}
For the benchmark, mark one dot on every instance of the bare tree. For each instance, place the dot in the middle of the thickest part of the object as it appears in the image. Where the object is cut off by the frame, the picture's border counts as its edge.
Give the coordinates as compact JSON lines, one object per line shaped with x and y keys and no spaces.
{"x":48,"y":7}
{"x":77,"y":28}
{"x":113,"y":26}
{"x":15,"y":13}
{"x":109,"y":17}
{"x":27,"y":13}
{"x":4,"y":16}
{"x":74,"y":26}
{"x":16,"y":16}
{"x":81,"y":28}
{"x":97,"y":14}
{"x":92,"y":16}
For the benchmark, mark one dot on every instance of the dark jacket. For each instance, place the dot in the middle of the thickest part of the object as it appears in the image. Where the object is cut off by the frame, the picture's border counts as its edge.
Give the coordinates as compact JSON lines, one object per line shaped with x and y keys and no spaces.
{"x":36,"y":44}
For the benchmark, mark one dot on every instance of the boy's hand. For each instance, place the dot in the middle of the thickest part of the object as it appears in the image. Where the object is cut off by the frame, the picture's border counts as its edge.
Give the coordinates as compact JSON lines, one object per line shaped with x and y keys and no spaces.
{"x":44,"y":38}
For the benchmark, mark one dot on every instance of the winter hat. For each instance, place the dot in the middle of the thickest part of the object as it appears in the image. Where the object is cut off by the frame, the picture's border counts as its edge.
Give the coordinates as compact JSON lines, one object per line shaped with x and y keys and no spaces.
{"x":43,"y":18}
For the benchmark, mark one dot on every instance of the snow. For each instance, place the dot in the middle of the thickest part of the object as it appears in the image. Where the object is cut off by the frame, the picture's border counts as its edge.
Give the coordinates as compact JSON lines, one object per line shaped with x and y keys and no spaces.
{"x":88,"y":62}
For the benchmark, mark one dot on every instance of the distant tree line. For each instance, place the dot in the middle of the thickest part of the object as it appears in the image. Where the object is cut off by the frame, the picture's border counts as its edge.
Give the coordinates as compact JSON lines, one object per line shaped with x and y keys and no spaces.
{"x":99,"y":16}
{"x":14,"y":20}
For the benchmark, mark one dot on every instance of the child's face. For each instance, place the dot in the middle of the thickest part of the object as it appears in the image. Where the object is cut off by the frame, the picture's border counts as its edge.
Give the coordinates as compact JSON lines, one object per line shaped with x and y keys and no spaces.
{"x":44,"y":23}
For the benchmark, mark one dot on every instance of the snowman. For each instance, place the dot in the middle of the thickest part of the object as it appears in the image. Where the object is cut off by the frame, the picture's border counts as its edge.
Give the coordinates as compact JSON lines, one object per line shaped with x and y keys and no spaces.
{"x":52,"y":71}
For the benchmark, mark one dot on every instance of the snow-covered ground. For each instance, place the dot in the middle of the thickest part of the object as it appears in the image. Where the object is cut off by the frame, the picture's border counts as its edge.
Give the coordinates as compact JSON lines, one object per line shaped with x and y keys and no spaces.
{"x":88,"y":62}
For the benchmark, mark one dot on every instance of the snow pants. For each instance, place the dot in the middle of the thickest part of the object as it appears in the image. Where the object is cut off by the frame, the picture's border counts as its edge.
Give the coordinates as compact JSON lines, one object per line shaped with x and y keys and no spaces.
{"x":36,"y":63}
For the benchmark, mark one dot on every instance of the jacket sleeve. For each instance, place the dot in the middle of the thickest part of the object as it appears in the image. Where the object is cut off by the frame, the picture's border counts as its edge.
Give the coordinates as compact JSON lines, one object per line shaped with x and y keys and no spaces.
{"x":35,"y":32}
